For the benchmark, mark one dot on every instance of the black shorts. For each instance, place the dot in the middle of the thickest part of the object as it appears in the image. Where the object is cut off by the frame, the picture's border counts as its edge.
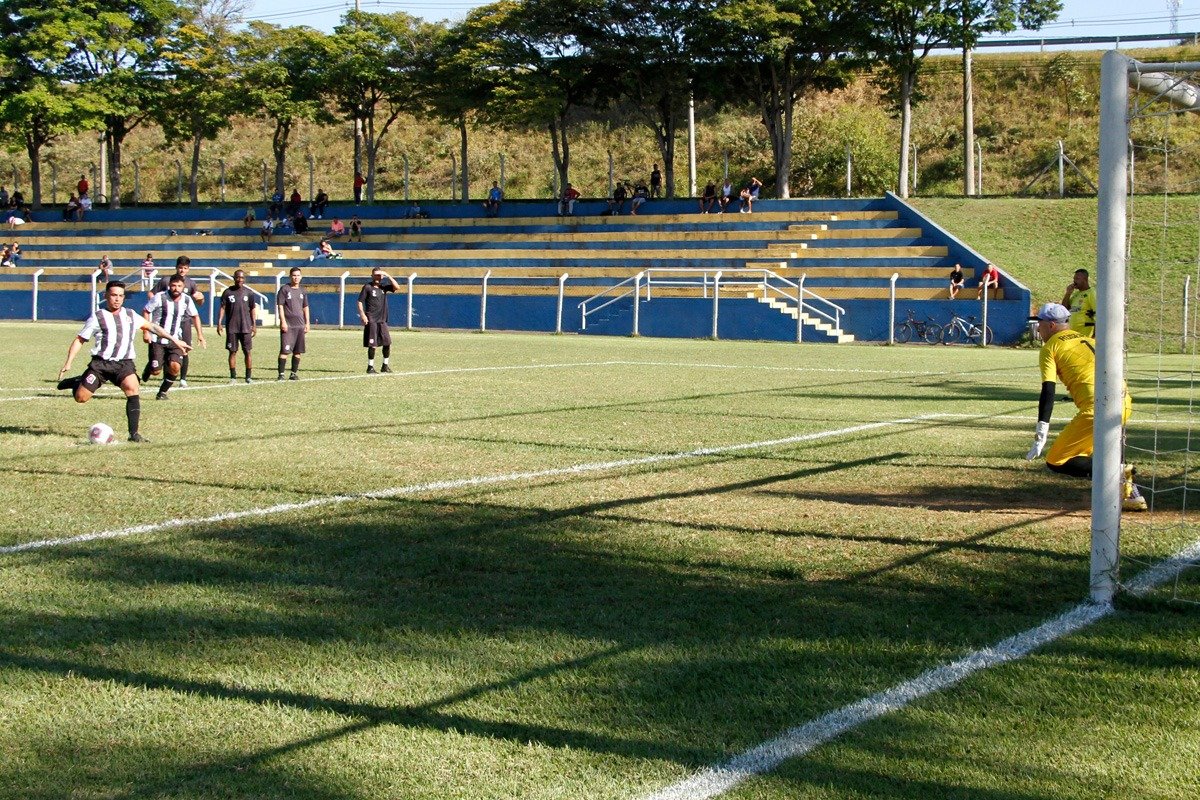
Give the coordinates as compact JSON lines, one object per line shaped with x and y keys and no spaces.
{"x":292,"y":340}
{"x":376,"y":334}
{"x":233,"y":340}
{"x":163,"y":354}
{"x":99,"y":371}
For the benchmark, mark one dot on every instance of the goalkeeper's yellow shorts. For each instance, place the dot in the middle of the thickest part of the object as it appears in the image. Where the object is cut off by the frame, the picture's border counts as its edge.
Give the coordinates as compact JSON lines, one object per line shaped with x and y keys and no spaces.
{"x":1076,"y":438}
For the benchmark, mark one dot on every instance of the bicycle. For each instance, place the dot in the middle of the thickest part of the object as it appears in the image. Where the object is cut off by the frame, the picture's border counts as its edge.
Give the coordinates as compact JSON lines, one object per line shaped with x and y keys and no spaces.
{"x":912,"y":327}
{"x":959,"y":329}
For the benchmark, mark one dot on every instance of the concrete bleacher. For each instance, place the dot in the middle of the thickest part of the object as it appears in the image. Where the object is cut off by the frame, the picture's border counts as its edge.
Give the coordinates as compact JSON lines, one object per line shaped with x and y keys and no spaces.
{"x":846,"y":251}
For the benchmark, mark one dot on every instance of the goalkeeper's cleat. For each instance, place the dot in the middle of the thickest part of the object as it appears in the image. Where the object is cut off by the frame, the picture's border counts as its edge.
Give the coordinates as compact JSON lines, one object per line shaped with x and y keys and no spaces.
{"x":1131,"y":498}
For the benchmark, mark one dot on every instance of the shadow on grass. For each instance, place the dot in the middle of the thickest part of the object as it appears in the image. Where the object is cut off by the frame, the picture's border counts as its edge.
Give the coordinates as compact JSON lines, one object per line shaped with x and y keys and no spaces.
{"x":692,"y":648}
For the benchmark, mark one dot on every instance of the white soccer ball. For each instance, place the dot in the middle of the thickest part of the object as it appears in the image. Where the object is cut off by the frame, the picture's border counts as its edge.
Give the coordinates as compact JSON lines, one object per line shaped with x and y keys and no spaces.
{"x":100,"y":433}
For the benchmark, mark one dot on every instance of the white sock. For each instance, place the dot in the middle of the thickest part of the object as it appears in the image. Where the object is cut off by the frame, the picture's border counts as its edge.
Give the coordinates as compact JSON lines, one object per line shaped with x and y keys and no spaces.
{"x":370,"y":362}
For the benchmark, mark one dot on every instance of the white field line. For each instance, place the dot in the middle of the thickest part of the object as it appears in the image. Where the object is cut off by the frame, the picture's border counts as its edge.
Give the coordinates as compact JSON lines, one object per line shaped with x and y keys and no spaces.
{"x":450,"y":485}
{"x":717,"y":780}
{"x":31,"y":397}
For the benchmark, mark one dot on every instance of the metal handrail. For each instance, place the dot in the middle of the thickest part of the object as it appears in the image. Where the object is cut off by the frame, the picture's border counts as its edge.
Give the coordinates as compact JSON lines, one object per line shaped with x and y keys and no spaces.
{"x":764,"y":281}
{"x":632,"y":279}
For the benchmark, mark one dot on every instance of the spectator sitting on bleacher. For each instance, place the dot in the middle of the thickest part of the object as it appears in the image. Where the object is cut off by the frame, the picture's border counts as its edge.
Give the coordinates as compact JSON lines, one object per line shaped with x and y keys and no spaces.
{"x":323,"y":250}
{"x":749,"y":195}
{"x":14,"y":253}
{"x":19,"y":216}
{"x":276,"y":207}
{"x":71,"y":210}
{"x":248,"y":220}
{"x":6,"y":257}
{"x":300,"y":223}
{"x":617,"y":203}
{"x":336,"y":229}
{"x":317,"y":209}
{"x":85,"y":205}
{"x":355,"y":228}
{"x":989,"y":280}
{"x":294,"y":203}
{"x":415,"y":212}
{"x":641,"y":193}
{"x":726,"y":196}
{"x":267,"y":230}
{"x":709,"y":198}
{"x":105,"y":268}
{"x":566,"y":203}
{"x":491,"y":206}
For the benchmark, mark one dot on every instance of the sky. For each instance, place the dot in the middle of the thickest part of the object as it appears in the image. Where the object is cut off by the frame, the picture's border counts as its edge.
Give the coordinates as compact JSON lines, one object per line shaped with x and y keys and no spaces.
{"x":1078,"y":18}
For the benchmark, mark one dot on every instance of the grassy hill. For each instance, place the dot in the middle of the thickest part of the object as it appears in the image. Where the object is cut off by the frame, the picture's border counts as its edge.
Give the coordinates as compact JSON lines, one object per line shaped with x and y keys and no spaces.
{"x":1024,"y":103}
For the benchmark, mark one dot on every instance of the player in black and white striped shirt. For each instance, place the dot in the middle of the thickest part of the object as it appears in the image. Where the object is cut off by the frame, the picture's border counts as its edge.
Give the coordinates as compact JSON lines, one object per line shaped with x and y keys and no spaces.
{"x":115,"y":330}
{"x":176,"y":313}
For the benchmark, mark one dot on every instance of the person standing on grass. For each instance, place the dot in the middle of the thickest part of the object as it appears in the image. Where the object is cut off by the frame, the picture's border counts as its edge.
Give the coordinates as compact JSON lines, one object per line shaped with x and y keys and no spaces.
{"x":1081,"y":300}
{"x":114,"y":328}
{"x":292,"y":306}
{"x":373,"y":311}
{"x":1070,"y":356}
{"x":174,"y":311}
{"x":238,"y":307}
{"x":183,"y":265}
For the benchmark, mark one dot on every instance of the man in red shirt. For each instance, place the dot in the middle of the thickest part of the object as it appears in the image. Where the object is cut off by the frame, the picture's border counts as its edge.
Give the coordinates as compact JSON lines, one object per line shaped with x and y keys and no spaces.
{"x":990,"y":280}
{"x":83,"y":186}
{"x":359,"y":182}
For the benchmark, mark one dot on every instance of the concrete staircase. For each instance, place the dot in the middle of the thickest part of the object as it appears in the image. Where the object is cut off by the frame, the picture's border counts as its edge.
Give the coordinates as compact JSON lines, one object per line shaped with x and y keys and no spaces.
{"x":818,"y":324}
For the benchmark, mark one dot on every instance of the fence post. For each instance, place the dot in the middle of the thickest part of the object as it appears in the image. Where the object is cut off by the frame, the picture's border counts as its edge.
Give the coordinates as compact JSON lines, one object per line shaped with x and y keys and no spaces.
{"x":849,"y":169}
{"x":412,"y":276}
{"x":453,"y":178}
{"x":311,"y":177}
{"x":1062,"y":178}
{"x":1187,"y":296}
{"x":95,"y":290}
{"x":983,"y":335}
{"x":610,"y":173}
{"x":36,"y":281}
{"x":264,"y":166}
{"x":716,"y":300}
{"x":54,"y":184}
{"x":483,"y":302}
{"x":222,"y":180}
{"x":502,"y":172}
{"x":892,"y":308}
{"x":800,"y":308}
{"x":562,"y":289}
{"x":212,"y":294}
{"x":178,"y":182}
{"x":342,"y":298}
{"x":637,"y":301}
{"x":979,"y":168}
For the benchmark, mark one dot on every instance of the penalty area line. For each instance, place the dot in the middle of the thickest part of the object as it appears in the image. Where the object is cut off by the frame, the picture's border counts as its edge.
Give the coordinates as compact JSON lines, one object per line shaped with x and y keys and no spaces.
{"x":454,"y":484}
{"x":799,"y":741}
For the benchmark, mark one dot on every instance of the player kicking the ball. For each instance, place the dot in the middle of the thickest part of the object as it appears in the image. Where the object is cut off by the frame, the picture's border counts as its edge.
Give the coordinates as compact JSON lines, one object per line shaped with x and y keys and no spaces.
{"x":114,"y":328}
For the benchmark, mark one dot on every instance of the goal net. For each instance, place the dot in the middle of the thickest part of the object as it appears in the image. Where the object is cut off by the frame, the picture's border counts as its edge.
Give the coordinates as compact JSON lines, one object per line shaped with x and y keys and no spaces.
{"x":1148,"y":271}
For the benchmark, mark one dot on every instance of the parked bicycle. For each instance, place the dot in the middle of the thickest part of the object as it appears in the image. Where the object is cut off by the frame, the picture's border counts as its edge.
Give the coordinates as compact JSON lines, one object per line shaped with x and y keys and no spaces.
{"x":959,"y":329}
{"x":921,"y":330}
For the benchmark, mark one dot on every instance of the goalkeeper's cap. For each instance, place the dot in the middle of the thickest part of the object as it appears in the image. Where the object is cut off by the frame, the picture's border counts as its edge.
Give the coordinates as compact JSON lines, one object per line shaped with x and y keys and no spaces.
{"x":1053,"y":312}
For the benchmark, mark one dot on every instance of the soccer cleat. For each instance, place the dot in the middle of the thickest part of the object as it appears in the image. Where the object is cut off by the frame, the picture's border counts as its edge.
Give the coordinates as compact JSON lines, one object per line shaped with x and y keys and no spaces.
{"x":161,"y":396}
{"x":280,"y":377}
{"x":386,"y":368}
{"x":183,"y":384}
{"x":370,"y":370}
{"x":249,"y":381}
{"x":293,"y":377}
{"x":137,"y":437}
{"x":1131,"y":498}
{"x":68,"y":383}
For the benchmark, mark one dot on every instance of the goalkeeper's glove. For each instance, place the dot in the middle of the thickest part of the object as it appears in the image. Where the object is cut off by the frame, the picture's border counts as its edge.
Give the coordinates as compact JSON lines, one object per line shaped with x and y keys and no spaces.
{"x":1039,"y":441}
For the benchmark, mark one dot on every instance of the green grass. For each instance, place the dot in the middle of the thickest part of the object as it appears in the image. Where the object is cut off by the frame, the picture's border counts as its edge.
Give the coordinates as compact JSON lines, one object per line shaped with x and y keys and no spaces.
{"x":583,"y":635}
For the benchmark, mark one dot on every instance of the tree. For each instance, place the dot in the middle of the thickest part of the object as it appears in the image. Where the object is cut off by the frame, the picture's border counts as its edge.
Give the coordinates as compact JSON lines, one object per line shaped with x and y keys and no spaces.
{"x":647,"y":48}
{"x":116,"y":55}
{"x":372,"y":74}
{"x":35,"y":108}
{"x":775,"y":50}
{"x":282,"y":72}
{"x":903,"y":33}
{"x":204,"y":96}
{"x":978,"y":18}
{"x":542,"y":73}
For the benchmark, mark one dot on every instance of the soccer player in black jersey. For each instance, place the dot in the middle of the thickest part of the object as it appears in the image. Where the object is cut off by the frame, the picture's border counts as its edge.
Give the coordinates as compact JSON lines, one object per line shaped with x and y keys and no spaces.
{"x":373,"y":311}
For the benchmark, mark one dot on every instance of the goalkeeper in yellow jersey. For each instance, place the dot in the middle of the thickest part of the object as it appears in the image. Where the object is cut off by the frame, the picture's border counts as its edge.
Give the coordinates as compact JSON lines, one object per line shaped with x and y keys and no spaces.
{"x":1070,"y":357}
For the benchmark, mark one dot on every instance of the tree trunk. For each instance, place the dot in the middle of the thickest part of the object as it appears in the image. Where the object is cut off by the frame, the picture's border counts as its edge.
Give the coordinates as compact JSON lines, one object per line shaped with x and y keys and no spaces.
{"x":193,"y":179}
{"x":114,"y":134}
{"x":906,"y":83}
{"x":968,"y":127}
{"x":279,"y":146}
{"x":562,"y":151}
{"x":370,"y":148}
{"x":33,"y":147}
{"x":466,"y":173}
{"x":777,"y":117}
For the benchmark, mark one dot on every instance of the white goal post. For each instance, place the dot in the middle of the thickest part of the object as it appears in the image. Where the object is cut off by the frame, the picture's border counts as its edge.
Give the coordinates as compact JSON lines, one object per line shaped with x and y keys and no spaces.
{"x":1156,"y":84}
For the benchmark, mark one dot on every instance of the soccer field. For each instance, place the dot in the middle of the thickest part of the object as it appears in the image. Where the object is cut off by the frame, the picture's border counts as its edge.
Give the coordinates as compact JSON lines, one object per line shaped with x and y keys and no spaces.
{"x":565,"y":567}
